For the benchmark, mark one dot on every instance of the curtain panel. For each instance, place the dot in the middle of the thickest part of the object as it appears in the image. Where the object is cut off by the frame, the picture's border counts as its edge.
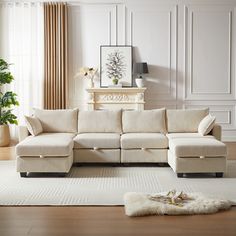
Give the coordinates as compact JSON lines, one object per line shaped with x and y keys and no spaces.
{"x":22,"y":45}
{"x":55,"y":56}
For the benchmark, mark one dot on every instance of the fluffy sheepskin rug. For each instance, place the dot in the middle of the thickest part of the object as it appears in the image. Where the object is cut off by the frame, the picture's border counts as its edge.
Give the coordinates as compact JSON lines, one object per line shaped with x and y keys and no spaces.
{"x":140,"y":204}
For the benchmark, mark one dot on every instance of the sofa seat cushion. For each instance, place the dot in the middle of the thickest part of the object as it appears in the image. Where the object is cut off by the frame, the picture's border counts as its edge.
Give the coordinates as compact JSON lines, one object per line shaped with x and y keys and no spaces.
{"x":187,"y":135}
{"x":97,"y":140}
{"x":46,"y":144}
{"x":143,"y":140}
{"x":195,"y":147}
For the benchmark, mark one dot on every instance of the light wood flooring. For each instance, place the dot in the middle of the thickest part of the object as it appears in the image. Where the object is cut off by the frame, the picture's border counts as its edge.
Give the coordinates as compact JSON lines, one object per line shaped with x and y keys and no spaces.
{"x":109,"y":221}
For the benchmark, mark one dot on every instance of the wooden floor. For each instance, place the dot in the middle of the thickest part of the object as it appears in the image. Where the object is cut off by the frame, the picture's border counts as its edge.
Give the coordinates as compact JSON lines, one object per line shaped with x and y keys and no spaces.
{"x":109,"y":221}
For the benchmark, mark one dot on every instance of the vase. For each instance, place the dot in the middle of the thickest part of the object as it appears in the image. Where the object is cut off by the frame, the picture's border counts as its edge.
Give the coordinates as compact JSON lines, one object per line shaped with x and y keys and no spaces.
{"x":90,"y":83}
{"x":4,"y":135}
{"x":140,"y":82}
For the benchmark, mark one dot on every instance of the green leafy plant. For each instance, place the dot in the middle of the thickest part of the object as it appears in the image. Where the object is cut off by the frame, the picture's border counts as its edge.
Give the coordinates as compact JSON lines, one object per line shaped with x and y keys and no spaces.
{"x":8,"y":99}
{"x":115,"y":66}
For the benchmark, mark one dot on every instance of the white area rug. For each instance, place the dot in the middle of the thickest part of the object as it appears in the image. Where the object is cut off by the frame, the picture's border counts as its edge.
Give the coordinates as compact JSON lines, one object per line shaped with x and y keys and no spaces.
{"x":106,"y":185}
{"x":140,"y":204}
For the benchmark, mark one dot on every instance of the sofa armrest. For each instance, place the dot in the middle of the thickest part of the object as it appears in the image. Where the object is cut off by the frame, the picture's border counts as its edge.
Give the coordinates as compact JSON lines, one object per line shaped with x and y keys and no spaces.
{"x":22,"y":133}
{"x":217,"y":131}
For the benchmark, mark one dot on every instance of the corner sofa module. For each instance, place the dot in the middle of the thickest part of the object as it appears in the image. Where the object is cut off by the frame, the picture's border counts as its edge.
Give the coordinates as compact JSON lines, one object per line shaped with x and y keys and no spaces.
{"x":47,"y":152}
{"x":190,"y":151}
{"x":197,"y":155}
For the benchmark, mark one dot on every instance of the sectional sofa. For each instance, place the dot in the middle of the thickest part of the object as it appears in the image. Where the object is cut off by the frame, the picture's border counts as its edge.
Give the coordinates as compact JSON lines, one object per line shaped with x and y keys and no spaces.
{"x":185,"y":139}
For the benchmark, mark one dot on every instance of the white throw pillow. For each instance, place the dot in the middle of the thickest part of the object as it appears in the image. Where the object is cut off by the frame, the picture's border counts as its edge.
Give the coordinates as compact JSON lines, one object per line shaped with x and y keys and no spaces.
{"x":206,"y":125}
{"x":58,"y":121}
{"x":99,"y":121}
{"x":34,"y":125}
{"x":147,"y":121}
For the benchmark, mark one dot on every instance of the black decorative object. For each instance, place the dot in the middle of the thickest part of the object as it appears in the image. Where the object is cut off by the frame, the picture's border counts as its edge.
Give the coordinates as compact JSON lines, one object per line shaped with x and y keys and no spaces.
{"x":140,"y":68}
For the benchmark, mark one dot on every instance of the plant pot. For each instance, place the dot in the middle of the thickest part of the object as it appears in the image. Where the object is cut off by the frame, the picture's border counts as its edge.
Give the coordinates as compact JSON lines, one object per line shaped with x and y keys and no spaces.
{"x":4,"y":135}
{"x":115,"y":81}
{"x":140,"y":82}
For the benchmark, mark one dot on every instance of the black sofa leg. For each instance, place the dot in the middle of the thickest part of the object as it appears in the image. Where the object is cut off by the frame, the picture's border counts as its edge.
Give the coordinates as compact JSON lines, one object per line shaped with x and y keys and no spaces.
{"x":62,"y":174}
{"x":219,"y":174}
{"x":180,"y":175}
{"x":23,"y":174}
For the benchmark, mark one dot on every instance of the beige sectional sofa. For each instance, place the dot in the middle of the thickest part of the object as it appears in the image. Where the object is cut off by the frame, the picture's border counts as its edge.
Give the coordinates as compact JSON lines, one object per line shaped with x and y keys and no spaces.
{"x":153,"y":136}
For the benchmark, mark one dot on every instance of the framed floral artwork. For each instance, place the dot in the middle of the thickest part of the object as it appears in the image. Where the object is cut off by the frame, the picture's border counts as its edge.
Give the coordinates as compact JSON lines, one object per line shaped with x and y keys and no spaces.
{"x":115,"y":66}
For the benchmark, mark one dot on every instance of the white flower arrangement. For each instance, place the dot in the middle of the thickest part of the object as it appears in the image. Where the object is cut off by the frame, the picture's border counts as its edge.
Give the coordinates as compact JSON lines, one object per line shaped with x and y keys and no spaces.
{"x":87,"y":72}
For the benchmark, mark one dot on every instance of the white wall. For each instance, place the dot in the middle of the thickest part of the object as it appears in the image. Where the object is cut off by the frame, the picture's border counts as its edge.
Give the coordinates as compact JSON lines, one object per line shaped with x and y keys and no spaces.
{"x":188,"y":45}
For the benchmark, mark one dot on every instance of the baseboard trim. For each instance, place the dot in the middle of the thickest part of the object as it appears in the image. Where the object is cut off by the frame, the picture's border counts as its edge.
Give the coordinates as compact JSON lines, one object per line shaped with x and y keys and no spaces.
{"x":229,"y":139}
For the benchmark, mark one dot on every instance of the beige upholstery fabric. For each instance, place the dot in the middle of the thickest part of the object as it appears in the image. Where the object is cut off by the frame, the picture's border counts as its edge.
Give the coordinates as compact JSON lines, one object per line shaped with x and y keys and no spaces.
{"x":143,"y":140}
{"x":194,"y":147}
{"x":63,"y":121}
{"x":179,"y":121}
{"x":47,"y":164}
{"x":206,"y":125}
{"x":142,"y":156}
{"x":46,"y":144}
{"x":216,"y":131}
{"x":100,"y":121}
{"x":97,"y":156}
{"x":147,"y":121}
{"x":196,"y":165}
{"x":187,"y":135}
{"x":23,"y":133}
{"x":97,"y":140}
{"x":34,"y":126}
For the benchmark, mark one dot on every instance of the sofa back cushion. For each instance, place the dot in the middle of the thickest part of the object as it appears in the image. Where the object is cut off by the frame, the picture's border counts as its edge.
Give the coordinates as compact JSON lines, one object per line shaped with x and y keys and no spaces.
{"x":63,"y":121}
{"x":147,"y":121}
{"x":99,"y":121}
{"x":179,"y":121}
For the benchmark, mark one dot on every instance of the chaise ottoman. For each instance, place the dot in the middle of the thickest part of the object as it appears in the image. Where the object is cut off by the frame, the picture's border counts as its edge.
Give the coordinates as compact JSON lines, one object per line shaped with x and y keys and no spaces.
{"x":46,"y":152}
{"x":197,"y":155}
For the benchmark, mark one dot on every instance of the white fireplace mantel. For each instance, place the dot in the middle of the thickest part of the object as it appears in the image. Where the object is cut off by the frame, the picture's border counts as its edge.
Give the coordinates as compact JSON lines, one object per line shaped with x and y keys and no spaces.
{"x":115,"y":98}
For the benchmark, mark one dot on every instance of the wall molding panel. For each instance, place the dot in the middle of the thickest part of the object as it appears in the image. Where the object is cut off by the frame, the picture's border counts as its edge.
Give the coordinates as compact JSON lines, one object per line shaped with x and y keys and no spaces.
{"x":165,"y":21}
{"x":196,"y":74}
{"x":89,"y":27}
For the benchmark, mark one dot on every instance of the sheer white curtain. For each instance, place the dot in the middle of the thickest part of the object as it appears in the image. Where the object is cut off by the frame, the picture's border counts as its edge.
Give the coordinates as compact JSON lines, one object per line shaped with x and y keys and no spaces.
{"x":21,"y":43}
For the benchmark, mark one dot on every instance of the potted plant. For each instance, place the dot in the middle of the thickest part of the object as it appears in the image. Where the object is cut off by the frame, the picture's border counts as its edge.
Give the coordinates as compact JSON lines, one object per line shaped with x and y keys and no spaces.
{"x":7,"y":100}
{"x":115,"y":67}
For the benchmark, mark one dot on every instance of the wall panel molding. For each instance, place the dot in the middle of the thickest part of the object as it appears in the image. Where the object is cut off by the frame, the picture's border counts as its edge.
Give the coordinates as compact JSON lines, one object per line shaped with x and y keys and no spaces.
{"x":190,"y":92}
{"x":169,"y":14}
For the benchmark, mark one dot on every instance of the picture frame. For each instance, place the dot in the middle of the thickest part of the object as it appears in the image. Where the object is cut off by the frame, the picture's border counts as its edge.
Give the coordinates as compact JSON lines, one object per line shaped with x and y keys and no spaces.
{"x":116,"y":64}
